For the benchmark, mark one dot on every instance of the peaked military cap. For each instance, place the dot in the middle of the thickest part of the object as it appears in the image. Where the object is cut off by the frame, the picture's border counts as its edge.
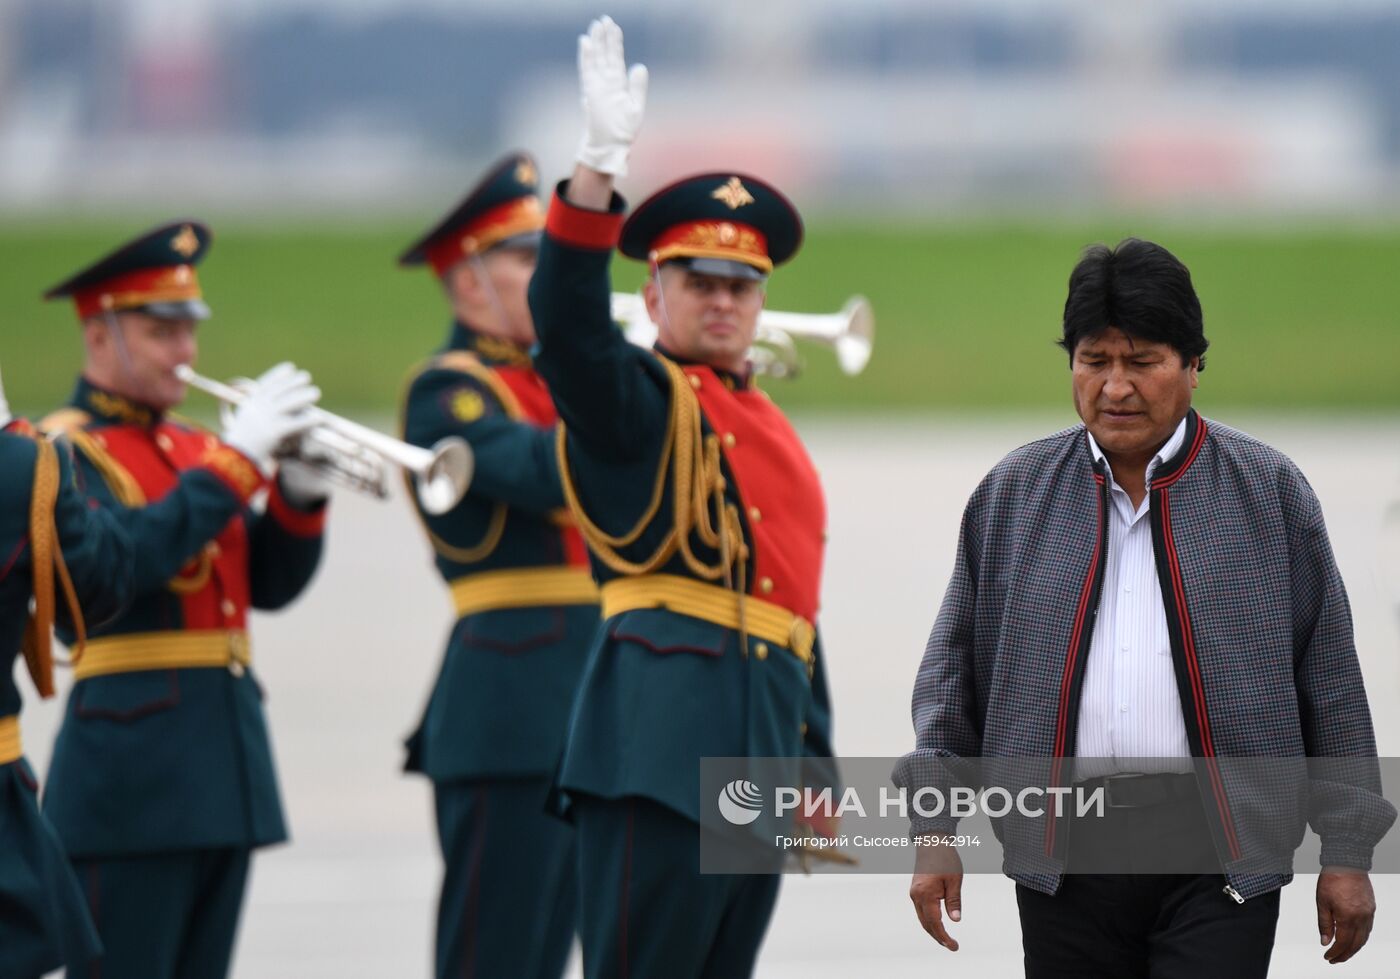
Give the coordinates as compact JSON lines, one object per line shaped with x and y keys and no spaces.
{"x":502,"y":210}
{"x":716,"y":224}
{"x":153,"y":272}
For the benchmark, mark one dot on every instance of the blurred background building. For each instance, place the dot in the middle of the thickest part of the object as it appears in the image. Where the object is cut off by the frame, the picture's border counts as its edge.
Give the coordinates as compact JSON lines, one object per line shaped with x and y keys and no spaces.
{"x":1289,"y":106}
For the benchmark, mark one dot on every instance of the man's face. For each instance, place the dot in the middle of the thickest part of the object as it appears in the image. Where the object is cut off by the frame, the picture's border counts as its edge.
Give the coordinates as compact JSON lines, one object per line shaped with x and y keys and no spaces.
{"x":492,"y":291}
{"x":707,"y":318}
{"x":153,"y":348}
{"x":1131,"y":393}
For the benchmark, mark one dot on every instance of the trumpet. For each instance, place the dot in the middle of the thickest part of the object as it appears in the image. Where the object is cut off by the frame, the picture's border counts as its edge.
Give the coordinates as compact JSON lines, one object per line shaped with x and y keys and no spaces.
{"x":850,"y":332}
{"x":358,"y":457}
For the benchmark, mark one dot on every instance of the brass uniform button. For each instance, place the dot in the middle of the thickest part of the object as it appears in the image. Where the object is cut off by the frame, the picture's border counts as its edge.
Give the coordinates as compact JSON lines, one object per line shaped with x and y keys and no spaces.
{"x":729,"y":440}
{"x":803,"y":730}
{"x":765,"y":585}
{"x":761,"y":650}
{"x":213,"y":549}
{"x":695,"y":381}
{"x":164,"y":442}
{"x":754,"y":514}
{"x":228,"y":608}
{"x":237,"y":668}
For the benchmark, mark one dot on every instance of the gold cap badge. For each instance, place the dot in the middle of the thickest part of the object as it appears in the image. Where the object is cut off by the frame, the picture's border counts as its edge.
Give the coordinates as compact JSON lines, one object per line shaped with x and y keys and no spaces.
{"x":733,"y":194}
{"x":525,"y":173}
{"x":186,"y":242}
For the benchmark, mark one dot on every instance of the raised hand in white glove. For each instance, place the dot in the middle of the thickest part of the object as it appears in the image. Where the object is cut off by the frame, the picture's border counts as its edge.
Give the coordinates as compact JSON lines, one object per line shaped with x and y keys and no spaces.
{"x":273,"y":411}
{"x":613,"y":99}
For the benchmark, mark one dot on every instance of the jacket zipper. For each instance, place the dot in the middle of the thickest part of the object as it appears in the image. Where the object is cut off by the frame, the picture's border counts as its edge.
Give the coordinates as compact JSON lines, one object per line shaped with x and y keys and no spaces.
{"x":1193,"y":707}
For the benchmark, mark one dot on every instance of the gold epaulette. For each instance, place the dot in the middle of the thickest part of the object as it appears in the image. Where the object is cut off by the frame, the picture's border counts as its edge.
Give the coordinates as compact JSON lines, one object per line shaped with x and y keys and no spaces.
{"x":466,"y":362}
{"x":63,"y":421}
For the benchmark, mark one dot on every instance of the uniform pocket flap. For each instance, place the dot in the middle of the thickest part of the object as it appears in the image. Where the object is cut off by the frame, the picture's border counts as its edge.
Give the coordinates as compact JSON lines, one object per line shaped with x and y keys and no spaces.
{"x":664,"y":631}
{"x":513,"y":630}
{"x":127,"y":696}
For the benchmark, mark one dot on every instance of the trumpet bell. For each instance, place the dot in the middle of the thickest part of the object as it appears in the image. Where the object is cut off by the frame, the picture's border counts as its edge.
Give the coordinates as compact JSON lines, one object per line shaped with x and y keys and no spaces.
{"x":443,"y":483}
{"x":854,"y":346}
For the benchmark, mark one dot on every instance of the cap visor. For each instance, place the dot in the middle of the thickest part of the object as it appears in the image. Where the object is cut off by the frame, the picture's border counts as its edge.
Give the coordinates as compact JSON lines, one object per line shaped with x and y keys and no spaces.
{"x":526,"y":241}
{"x":721,"y":267}
{"x":184,"y":309}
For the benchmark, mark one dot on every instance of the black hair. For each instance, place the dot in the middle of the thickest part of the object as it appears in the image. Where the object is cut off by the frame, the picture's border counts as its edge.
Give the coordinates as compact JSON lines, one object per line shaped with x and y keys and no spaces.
{"x":1140,"y":288}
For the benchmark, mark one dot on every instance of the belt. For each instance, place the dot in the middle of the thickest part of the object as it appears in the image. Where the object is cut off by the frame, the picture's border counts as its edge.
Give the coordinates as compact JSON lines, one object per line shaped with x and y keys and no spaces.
{"x":743,"y":613}
{"x":1141,"y":791}
{"x":522,"y":588}
{"x":187,"y":649}
{"x":10,"y":746}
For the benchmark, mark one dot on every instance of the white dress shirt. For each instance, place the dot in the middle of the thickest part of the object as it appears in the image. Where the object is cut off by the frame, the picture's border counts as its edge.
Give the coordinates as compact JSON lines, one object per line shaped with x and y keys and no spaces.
{"x":1129,"y":707}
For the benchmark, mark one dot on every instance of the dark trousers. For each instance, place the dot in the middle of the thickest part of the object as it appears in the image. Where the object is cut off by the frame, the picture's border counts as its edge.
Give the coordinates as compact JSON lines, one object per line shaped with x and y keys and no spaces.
{"x":646,"y":911}
{"x":509,"y":887}
{"x":1130,"y":924}
{"x":165,"y":915}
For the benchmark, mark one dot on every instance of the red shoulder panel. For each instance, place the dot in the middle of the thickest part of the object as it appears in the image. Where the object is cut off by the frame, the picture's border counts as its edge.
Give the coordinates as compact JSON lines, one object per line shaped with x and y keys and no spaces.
{"x":213,"y":586}
{"x":780,"y":489}
{"x":535,"y":401}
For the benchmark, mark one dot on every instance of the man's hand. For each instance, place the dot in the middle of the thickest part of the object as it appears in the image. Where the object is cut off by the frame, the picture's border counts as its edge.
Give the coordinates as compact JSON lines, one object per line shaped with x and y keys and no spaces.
{"x":273,"y":411}
{"x":613,"y":99}
{"x":302,"y":485}
{"x":938,"y":876}
{"x":1346,"y":910}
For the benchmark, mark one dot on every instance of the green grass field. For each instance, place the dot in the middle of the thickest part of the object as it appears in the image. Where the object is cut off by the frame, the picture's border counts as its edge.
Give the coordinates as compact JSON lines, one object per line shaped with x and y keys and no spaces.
{"x":1299,"y":319}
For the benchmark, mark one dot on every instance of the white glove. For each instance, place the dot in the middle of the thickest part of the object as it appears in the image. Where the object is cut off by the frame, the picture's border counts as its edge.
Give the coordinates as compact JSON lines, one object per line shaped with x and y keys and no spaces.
{"x":273,"y":411}
{"x":613,"y":99}
{"x":302,"y":486}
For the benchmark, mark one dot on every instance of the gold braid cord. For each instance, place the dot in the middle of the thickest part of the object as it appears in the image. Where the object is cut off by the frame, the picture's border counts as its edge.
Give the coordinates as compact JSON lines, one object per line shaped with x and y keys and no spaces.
{"x":696,"y":481}
{"x":47,"y":561}
{"x":464,"y":362}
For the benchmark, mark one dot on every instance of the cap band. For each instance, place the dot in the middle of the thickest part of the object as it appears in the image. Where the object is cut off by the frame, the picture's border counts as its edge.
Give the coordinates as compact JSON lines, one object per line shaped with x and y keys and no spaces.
{"x":170,"y":283}
{"x":503,"y":221}
{"x":714,"y":239}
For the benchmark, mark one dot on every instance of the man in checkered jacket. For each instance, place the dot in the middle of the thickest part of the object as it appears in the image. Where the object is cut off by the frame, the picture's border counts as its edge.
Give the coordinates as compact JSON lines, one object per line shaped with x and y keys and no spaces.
{"x":1142,"y":601}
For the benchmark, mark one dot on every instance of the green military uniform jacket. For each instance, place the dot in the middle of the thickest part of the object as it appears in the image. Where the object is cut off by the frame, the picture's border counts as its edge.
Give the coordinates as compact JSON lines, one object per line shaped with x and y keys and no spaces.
{"x":514,"y":563}
{"x":665,"y":688}
{"x":159,"y":757}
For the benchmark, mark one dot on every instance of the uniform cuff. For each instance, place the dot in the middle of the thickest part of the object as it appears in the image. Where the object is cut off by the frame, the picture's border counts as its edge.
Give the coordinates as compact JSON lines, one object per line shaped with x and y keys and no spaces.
{"x":299,"y":522}
{"x":584,"y":228}
{"x":234,"y":470}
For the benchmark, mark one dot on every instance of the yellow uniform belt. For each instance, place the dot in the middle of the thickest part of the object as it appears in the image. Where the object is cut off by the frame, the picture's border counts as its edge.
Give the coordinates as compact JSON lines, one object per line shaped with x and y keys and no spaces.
{"x":744,"y":613}
{"x":10,"y":746}
{"x":165,"y":651}
{"x":522,"y":588}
